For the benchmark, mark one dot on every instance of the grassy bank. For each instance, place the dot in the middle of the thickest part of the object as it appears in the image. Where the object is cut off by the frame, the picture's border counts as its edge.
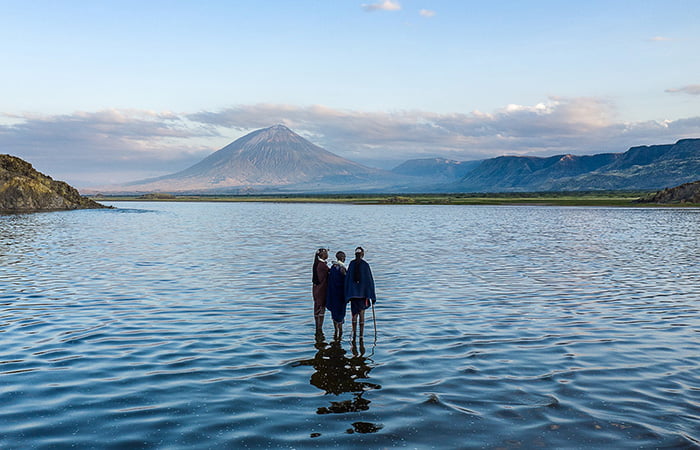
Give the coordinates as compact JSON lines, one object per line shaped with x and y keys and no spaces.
{"x":602,"y":198}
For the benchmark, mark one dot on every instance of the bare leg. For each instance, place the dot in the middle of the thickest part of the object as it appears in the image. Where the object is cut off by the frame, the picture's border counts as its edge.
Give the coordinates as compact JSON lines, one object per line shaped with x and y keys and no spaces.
{"x":319,"y":323}
{"x":319,"y":311}
{"x":354,"y":326}
{"x":338,"y":330}
{"x":362,"y":324}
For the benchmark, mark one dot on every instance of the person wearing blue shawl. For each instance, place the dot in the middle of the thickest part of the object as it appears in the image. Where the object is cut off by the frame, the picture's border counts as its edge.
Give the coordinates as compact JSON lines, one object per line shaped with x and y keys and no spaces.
{"x":335,"y":300}
{"x":359,"y":290}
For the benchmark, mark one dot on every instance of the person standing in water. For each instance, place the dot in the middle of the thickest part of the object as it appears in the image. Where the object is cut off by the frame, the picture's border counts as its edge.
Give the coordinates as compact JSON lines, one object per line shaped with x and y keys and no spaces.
{"x":359,"y":290}
{"x":320,"y":287}
{"x":335,"y":301}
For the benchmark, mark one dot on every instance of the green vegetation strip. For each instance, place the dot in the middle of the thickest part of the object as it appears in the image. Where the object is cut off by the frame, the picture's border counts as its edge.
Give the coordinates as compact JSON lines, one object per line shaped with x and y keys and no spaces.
{"x":602,"y":198}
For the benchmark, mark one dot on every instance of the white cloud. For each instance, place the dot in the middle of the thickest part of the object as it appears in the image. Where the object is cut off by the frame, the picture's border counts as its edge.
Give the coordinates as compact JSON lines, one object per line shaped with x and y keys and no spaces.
{"x":661,"y":39}
{"x":115,"y":146}
{"x":426,"y":13}
{"x":691,"y":89}
{"x":85,"y":146}
{"x":559,"y":125}
{"x":386,"y":5}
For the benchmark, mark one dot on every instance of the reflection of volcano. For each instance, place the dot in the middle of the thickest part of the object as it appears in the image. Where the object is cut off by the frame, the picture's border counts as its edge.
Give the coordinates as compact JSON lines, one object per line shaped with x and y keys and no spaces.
{"x":337,"y":374}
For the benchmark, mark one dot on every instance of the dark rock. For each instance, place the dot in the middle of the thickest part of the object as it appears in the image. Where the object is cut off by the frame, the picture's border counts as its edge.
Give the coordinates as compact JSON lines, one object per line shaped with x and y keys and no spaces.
{"x":685,"y":193}
{"x":23,"y":189}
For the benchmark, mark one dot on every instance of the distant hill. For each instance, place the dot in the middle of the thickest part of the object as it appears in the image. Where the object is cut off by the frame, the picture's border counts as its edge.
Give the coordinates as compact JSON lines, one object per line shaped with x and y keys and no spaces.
{"x":436,"y":169}
{"x":276,"y":160}
{"x":24,"y":189}
{"x":268,"y":159}
{"x":685,"y":193}
{"x":639,"y":168}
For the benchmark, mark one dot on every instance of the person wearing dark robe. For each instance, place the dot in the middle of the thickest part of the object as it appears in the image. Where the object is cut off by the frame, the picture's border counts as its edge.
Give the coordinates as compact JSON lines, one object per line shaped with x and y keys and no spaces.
{"x":320,"y":287}
{"x":359,"y":290}
{"x":335,"y":301}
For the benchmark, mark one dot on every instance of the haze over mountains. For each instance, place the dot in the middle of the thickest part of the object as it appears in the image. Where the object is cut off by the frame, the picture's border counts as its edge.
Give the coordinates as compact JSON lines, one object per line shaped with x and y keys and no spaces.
{"x":277,"y":160}
{"x":438,"y":169}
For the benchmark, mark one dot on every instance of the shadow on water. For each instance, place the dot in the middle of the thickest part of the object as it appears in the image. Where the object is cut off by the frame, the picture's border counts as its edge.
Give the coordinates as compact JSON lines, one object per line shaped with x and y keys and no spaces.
{"x":337,"y":373}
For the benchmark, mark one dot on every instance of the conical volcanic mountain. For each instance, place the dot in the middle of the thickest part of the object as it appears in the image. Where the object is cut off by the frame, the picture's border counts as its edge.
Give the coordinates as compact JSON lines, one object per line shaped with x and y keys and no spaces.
{"x":266,"y":158}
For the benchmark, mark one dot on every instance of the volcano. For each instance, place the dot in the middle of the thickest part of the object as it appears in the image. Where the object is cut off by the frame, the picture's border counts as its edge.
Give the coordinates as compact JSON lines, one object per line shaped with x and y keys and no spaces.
{"x":273,"y":157}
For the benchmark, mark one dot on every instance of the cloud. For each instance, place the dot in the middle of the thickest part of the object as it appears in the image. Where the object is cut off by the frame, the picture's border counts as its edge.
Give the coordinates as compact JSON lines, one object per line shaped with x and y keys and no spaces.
{"x":691,"y":89}
{"x":426,"y":13}
{"x":660,"y":39}
{"x":558,"y":125}
{"x":114,"y":146}
{"x":386,"y":5}
{"x":85,"y":146}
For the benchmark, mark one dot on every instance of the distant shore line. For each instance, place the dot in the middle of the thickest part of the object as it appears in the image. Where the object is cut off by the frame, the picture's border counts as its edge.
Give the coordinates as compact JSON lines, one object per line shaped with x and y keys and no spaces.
{"x":590,"y":198}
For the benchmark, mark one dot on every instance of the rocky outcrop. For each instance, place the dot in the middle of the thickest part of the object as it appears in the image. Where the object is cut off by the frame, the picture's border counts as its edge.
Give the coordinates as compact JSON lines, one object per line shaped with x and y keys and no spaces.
{"x":685,"y":193}
{"x":23,"y":189}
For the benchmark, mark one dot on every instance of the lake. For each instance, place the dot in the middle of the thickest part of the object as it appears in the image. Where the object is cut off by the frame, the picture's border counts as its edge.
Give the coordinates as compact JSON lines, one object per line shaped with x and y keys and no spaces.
{"x":177,"y":325}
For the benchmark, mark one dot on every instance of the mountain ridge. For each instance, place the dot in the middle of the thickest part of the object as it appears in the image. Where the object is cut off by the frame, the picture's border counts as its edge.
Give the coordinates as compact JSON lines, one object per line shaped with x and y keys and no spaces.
{"x":278,"y":160}
{"x":643,"y":167}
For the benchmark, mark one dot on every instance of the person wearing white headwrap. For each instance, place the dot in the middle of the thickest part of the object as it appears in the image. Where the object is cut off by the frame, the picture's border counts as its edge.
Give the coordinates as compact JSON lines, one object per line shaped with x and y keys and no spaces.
{"x":335,"y":300}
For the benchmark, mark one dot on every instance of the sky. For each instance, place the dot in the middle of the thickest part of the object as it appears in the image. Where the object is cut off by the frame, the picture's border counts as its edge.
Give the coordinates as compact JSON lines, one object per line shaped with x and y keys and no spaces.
{"x":101,"y":92}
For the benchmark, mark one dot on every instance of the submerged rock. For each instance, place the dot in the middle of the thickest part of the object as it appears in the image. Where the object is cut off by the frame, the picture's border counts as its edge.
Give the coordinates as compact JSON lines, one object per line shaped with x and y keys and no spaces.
{"x":24,"y":189}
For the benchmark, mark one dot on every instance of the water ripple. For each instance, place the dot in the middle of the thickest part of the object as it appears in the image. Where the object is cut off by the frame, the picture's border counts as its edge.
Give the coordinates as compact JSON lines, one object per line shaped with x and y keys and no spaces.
{"x":189,"y":325}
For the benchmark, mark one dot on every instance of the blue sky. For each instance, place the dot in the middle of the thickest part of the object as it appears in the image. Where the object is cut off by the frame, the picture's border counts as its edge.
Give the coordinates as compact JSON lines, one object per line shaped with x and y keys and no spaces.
{"x":96,"y":92}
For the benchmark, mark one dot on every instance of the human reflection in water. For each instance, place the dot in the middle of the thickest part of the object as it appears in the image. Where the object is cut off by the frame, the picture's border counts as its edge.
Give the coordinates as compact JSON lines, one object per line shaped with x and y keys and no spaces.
{"x":337,"y":374}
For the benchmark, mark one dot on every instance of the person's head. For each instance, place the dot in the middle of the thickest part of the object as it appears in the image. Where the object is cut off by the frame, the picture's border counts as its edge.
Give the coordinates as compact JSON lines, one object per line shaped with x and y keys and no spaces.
{"x":359,"y":253}
{"x":322,"y":253}
{"x":340,"y":256}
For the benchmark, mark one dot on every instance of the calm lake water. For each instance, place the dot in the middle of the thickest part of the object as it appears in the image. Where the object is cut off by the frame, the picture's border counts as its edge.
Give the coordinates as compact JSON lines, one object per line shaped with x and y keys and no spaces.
{"x":190,"y":325}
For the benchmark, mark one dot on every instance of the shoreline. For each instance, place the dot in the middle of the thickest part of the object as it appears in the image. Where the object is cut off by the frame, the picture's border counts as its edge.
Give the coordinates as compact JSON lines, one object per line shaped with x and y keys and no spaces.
{"x":603,"y":198}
